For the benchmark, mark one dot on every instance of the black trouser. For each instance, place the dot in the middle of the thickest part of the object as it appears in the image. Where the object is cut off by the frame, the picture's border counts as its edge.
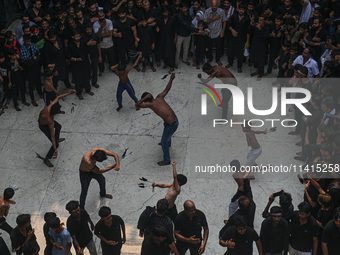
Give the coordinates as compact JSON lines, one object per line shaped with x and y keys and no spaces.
{"x":46,"y":130}
{"x":259,"y":66}
{"x":49,"y":97}
{"x":238,"y":55}
{"x":150,"y":58}
{"x":219,"y":48}
{"x":172,"y":213}
{"x":5,"y":226}
{"x":199,"y":54}
{"x":3,"y":247}
{"x":183,"y":247}
{"x":14,"y":92}
{"x":85,"y":179}
{"x":273,"y":54}
{"x":94,"y":70}
{"x":109,"y":53}
{"x":34,"y":81}
{"x":66,"y":81}
{"x":226,"y":96}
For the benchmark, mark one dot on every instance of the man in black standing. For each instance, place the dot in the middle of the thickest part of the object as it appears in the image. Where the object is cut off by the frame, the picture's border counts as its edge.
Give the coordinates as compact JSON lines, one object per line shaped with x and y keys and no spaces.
{"x":331,"y":235}
{"x":238,"y":25}
{"x":78,"y":226}
{"x":275,"y":233}
{"x":304,"y":231}
{"x":125,"y":34}
{"x":80,"y":65}
{"x":188,"y":230}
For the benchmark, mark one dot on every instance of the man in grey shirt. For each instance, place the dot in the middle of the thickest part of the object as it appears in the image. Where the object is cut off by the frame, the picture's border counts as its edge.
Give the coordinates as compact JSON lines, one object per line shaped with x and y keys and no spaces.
{"x":216,"y":20}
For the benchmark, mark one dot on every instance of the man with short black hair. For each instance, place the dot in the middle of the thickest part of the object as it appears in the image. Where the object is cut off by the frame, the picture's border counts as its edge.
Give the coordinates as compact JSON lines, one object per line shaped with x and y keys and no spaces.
{"x":88,"y":170}
{"x":275,"y":233}
{"x":304,"y":231}
{"x":156,"y":243}
{"x":306,"y":60}
{"x":23,"y":233}
{"x":239,"y":238}
{"x":78,"y":226}
{"x":110,"y":229}
{"x":152,"y":217}
{"x":331,"y":235}
{"x":188,"y":230}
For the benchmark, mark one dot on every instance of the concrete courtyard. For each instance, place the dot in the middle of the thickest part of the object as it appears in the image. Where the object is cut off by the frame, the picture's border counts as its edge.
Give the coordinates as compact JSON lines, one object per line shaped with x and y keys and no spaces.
{"x":94,"y":122}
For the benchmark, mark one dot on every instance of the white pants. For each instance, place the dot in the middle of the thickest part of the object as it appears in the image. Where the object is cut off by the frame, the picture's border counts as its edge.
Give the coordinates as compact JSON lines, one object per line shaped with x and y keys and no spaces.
{"x":292,"y":251}
{"x":186,"y":44}
{"x":252,"y":156}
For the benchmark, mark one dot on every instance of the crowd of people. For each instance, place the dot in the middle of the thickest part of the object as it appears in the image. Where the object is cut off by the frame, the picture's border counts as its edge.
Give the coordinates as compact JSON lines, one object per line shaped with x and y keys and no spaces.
{"x":299,"y":38}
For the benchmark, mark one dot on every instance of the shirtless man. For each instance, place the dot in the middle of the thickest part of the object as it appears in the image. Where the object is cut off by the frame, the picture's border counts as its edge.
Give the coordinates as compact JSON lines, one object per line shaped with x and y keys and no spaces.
{"x":5,"y":204}
{"x":256,"y":149}
{"x":226,"y":77}
{"x":163,"y":110}
{"x":47,"y":124}
{"x":88,"y":171}
{"x":124,"y":82}
{"x":173,"y":192}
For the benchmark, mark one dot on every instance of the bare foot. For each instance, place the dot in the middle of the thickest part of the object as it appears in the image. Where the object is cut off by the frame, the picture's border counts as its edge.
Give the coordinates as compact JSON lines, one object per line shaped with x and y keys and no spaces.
{"x":108,"y":196}
{"x":61,"y":140}
{"x":118,"y":109}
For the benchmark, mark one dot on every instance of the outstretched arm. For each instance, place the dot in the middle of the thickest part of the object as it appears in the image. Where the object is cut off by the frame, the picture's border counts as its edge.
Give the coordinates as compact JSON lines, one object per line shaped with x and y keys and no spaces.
{"x":134,"y":64}
{"x":162,"y":186}
{"x":261,"y":132}
{"x":168,"y":87}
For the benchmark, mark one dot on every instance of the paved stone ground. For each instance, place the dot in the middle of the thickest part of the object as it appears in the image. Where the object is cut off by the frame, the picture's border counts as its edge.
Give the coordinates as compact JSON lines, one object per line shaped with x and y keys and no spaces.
{"x":95,"y":123}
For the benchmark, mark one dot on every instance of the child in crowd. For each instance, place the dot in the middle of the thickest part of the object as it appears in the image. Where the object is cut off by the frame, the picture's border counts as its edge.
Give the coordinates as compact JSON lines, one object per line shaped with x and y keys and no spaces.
{"x":146,"y":43}
{"x":200,"y":43}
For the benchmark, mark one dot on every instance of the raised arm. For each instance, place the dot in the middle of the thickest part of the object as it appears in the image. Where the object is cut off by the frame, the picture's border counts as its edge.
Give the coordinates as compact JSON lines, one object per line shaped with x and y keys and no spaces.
{"x":142,"y":104}
{"x":211,"y":76}
{"x":168,"y":87}
{"x":175,"y":183}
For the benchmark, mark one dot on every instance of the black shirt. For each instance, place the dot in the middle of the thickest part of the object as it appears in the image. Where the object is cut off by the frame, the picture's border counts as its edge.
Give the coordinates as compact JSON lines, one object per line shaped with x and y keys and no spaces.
{"x":80,"y":229}
{"x":16,"y":74}
{"x":126,"y":29}
{"x":331,"y":236}
{"x":92,"y":49}
{"x":113,"y":233}
{"x":191,"y":227}
{"x":243,"y":243}
{"x":149,"y":247}
{"x":301,"y":237}
{"x":18,"y":239}
{"x":274,"y":239}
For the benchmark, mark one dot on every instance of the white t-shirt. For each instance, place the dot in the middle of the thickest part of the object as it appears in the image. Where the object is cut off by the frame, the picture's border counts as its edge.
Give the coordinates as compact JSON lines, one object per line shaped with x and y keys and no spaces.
{"x":311,"y":64}
{"x":107,"y":42}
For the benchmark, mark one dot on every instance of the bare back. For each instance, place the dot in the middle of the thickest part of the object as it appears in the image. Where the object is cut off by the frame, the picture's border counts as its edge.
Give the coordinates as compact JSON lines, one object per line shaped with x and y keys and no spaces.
{"x":87,"y":164}
{"x":45,"y":118}
{"x":224,"y":75}
{"x":48,"y":85}
{"x":4,"y":207}
{"x":123,"y":78}
{"x":163,"y":110}
{"x":172,"y":195}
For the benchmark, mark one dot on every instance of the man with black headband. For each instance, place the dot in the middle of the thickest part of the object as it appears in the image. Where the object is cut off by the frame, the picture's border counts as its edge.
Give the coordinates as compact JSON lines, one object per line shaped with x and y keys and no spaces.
{"x":88,"y":170}
{"x":275,"y":233}
{"x":78,"y":226}
{"x":51,"y":128}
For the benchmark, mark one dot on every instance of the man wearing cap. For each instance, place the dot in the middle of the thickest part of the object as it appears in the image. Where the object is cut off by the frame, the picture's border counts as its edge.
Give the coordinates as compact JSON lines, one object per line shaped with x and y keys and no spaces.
{"x":331,"y":235}
{"x":275,"y":233}
{"x":78,"y":226}
{"x":306,"y":60}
